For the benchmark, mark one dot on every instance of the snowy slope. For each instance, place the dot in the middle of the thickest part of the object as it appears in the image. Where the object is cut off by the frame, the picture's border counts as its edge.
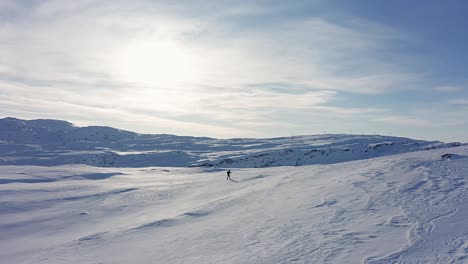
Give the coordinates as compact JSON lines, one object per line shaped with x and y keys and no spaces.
{"x":55,"y":142}
{"x":303,"y":199}
{"x":404,"y":208}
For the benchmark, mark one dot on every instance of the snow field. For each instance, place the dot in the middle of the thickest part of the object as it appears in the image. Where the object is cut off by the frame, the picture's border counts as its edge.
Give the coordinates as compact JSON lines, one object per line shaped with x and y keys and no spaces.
{"x":405,"y":208}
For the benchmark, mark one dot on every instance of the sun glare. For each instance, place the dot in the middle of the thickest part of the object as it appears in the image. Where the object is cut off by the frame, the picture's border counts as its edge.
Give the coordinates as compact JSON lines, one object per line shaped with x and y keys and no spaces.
{"x":159,"y":63}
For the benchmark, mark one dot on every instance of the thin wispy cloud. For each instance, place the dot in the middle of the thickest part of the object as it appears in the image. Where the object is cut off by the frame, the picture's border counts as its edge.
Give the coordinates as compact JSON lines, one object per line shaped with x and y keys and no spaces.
{"x":448,"y":89}
{"x":459,"y":101}
{"x":205,"y":68}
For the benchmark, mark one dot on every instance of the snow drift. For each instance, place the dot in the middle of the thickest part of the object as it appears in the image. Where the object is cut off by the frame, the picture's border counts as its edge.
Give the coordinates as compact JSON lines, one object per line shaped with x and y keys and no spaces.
{"x":364,"y":199}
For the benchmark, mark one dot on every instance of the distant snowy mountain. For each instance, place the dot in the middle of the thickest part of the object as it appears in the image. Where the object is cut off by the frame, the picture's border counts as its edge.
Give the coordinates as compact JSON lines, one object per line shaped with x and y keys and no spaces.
{"x":162,"y":199}
{"x":56,"y":142}
{"x":52,"y":132}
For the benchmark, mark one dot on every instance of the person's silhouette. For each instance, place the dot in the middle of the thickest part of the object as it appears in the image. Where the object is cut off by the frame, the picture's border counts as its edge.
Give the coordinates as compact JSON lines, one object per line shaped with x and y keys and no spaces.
{"x":228,"y":175}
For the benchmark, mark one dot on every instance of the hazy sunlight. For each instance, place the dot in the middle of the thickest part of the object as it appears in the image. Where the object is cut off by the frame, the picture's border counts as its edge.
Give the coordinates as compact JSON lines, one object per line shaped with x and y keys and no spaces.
{"x":156,"y":63}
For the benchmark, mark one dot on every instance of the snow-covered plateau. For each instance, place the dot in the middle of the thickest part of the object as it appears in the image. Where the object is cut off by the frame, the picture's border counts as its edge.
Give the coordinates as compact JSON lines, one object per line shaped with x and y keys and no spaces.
{"x":101,"y":195}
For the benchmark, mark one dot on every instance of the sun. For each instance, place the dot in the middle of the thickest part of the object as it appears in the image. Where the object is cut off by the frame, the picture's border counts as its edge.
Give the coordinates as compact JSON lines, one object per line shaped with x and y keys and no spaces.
{"x":161,"y":63}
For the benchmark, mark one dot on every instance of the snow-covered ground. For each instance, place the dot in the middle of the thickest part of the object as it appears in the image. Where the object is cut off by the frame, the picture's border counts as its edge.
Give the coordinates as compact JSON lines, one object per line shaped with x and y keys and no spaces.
{"x":401,"y":206}
{"x":55,"y":142}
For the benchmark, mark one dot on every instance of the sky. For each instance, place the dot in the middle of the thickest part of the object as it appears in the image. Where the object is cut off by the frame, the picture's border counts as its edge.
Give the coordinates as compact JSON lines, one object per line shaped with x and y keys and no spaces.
{"x":230,"y":69}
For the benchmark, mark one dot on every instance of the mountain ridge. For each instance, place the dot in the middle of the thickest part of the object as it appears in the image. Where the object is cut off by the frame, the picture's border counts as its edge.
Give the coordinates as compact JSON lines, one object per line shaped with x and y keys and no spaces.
{"x":56,"y":142}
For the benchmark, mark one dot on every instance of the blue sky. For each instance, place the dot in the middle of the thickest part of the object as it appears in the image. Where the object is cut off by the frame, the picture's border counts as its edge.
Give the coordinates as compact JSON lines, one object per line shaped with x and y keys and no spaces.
{"x":239,"y":68}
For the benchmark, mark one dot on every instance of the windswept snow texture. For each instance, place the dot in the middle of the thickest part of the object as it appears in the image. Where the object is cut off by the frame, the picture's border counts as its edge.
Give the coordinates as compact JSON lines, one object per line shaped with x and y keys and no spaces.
{"x":55,"y":142}
{"x":165,"y":199}
{"x":404,"y":208}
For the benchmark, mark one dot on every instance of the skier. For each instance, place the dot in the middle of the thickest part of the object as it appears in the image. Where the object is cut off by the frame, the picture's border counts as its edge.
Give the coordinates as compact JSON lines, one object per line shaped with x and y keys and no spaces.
{"x":228,"y":175}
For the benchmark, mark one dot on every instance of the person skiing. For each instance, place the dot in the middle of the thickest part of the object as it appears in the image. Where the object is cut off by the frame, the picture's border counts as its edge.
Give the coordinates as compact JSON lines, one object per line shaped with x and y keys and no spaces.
{"x":228,"y":175}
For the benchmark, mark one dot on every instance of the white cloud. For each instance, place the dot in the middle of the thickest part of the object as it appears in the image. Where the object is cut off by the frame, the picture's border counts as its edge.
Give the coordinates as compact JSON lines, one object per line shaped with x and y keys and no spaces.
{"x":459,"y":101}
{"x":148,"y":42}
{"x":402,"y":121}
{"x":192,"y":68}
{"x":448,"y":89}
{"x":80,"y":114}
{"x":429,"y":116}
